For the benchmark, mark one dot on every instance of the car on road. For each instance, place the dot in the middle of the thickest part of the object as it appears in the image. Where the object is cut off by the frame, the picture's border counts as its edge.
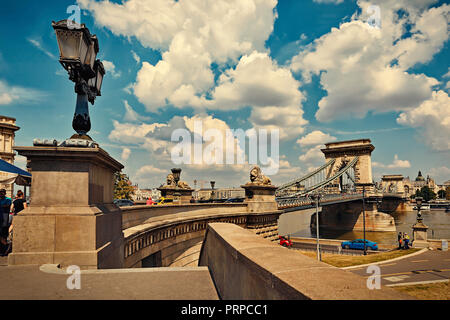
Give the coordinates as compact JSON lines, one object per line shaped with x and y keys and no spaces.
{"x":285,"y":242}
{"x":123,"y":202}
{"x":359,"y":244}
{"x":161,"y":201}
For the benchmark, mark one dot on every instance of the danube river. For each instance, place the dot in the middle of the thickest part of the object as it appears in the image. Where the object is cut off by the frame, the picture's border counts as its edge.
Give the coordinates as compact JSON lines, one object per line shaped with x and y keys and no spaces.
{"x":296,"y":224}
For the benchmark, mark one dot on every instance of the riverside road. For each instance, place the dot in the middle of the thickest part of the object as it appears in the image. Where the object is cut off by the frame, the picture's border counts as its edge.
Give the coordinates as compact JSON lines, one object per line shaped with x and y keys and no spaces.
{"x":431,"y":265}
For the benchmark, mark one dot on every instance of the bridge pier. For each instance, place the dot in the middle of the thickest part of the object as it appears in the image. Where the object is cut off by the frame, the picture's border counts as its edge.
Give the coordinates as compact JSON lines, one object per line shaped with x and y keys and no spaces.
{"x":349,"y":216}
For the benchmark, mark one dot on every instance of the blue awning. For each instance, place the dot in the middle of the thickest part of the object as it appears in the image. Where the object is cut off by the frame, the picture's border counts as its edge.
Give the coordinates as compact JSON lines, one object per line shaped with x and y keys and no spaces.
{"x":8,"y":167}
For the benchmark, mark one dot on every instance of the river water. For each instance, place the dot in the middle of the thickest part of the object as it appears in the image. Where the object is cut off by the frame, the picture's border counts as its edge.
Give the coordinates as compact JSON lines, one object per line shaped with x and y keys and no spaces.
{"x":296,"y":224}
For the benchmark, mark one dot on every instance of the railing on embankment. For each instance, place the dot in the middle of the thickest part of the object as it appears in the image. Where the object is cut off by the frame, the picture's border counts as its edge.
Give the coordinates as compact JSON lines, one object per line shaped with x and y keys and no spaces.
{"x":173,"y":230}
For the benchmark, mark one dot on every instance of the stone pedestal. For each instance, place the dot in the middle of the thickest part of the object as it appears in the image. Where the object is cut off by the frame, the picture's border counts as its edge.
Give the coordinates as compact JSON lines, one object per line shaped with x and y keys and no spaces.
{"x":420,"y":235}
{"x":182,"y":196}
{"x":260,"y":198}
{"x":71,"y":219}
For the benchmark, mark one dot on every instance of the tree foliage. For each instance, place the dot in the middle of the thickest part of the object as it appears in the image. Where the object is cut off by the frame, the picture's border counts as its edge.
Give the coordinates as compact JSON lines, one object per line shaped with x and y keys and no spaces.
{"x":442,"y":194}
{"x":122,"y":186}
{"x":426,"y":193}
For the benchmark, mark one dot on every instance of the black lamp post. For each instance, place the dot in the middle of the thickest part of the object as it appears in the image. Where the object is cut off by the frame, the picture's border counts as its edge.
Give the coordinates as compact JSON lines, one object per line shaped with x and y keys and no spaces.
{"x":212,"y":189}
{"x":316,"y":197}
{"x":364,"y":185}
{"x":78,"y":51}
{"x":419,"y":201}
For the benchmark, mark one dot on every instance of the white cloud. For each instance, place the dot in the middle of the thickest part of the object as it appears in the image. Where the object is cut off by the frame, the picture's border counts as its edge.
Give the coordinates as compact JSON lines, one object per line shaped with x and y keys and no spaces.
{"x":314,"y":138}
{"x":364,"y":68}
{"x":111,"y":68}
{"x":396,"y":164}
{"x":125,"y":154}
{"x":38,"y":45}
{"x":12,"y":94}
{"x":131,"y":115}
{"x":432,"y":118}
{"x":136,"y":57}
{"x":440,"y":174}
{"x":194,"y":34}
{"x":313,"y":156}
{"x":329,"y":1}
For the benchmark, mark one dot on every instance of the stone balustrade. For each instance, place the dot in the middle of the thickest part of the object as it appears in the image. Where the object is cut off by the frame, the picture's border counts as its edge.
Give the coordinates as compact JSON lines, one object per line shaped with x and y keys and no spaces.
{"x":140,"y":214}
{"x":174,"y":229}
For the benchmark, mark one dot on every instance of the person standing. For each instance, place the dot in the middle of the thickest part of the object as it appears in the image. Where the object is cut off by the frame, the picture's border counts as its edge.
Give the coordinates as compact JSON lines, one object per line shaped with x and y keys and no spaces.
{"x":19,"y":203}
{"x":5,"y":208}
{"x":399,"y":239}
{"x":406,"y":241}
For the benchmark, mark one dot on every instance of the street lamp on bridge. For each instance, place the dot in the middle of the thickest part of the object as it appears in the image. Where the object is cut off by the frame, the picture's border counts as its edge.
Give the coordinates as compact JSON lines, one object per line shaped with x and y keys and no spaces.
{"x":78,"y":51}
{"x":364,"y":185}
{"x":316,"y":198}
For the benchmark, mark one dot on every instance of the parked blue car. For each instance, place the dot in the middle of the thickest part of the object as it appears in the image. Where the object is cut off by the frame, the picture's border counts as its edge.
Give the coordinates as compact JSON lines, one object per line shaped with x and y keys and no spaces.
{"x":359,"y":244}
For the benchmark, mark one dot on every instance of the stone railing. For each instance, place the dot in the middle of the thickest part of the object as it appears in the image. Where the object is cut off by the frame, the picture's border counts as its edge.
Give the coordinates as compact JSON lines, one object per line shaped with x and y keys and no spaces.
{"x":141,"y":214}
{"x":244,"y":266}
{"x":157,"y":233}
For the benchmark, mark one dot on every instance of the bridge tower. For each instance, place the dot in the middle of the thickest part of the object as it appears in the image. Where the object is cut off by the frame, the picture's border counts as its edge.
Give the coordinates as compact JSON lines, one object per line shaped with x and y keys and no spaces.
{"x":344,"y":152}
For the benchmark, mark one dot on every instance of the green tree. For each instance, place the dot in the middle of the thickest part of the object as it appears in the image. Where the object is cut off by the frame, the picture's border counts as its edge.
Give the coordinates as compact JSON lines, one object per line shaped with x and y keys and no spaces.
{"x":122,"y":186}
{"x":426,"y":193}
{"x":442,"y":194}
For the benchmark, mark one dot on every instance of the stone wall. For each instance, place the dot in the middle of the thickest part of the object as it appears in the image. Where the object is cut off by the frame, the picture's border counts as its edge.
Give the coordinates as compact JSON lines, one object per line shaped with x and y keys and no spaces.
{"x":177,"y":236}
{"x":244,"y":266}
{"x":137,"y":215}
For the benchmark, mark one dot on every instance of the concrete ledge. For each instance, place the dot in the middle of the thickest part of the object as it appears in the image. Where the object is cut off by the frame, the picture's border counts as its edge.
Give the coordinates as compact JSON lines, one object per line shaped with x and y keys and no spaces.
{"x":245,"y":266}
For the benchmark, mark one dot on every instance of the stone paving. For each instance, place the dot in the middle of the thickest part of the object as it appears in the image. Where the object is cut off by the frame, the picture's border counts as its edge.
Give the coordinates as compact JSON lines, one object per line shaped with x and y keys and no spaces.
{"x":49,"y":282}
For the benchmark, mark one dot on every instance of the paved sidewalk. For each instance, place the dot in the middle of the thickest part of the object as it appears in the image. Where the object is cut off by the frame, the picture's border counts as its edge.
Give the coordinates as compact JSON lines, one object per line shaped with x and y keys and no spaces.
{"x":431,"y":265}
{"x":30,"y":282}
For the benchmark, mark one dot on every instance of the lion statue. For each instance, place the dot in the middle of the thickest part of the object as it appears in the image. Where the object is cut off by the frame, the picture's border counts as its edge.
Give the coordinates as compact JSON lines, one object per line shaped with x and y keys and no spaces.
{"x":256,"y":177}
{"x":170,"y":181}
{"x":183,"y":185}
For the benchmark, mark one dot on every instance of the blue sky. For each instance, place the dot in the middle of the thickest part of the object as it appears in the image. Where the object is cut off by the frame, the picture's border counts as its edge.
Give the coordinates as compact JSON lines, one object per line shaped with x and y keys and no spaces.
{"x":314,"y":69}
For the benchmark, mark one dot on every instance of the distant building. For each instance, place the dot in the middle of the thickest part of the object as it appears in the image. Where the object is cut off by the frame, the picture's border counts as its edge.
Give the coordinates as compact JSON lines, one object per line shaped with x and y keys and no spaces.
{"x":7,"y":134}
{"x":412,"y":186}
{"x":396,"y":183}
{"x":145,"y":194}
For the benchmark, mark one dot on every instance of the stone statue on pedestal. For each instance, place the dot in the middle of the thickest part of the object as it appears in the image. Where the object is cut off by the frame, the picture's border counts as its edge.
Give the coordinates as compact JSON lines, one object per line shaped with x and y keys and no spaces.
{"x":256,"y":177}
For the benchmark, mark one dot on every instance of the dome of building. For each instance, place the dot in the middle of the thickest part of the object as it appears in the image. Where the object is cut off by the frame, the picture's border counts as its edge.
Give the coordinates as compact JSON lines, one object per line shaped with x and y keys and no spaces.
{"x":420,"y":177}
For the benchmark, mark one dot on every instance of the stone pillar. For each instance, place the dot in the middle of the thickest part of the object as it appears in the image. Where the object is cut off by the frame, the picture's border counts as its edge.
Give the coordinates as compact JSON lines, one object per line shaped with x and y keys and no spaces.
{"x":260,"y":198}
{"x":71,"y":219}
{"x":420,"y":235}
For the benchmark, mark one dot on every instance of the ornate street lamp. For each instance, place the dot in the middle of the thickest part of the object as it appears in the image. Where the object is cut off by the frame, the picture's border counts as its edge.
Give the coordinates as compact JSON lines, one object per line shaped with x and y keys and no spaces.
{"x":419,"y":205}
{"x":176,"y":175}
{"x":77,"y":54}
